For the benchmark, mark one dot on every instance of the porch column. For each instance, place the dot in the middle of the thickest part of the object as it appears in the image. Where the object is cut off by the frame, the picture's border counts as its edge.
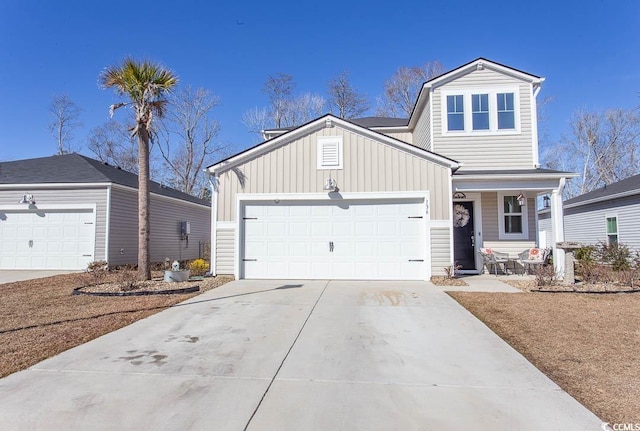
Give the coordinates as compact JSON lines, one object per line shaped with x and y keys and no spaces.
{"x":557,"y":228}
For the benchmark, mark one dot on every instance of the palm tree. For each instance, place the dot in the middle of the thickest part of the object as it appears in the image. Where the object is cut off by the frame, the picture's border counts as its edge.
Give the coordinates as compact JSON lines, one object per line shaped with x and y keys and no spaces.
{"x":145,"y":84}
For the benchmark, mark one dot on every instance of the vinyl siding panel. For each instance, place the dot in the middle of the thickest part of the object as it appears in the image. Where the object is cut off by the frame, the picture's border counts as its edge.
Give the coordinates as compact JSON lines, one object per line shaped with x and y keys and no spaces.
{"x":544,"y":228}
{"x":369,"y":166}
{"x":69,"y":196}
{"x":490,"y":229}
{"x":401,"y":136}
{"x":440,"y":250}
{"x":422,"y":131}
{"x":166,"y":215}
{"x":225,"y":253}
{"x":478,"y":151}
{"x":587,"y":224}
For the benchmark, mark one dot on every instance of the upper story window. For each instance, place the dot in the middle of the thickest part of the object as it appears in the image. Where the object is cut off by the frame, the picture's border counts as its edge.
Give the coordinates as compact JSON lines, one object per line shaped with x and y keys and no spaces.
{"x":506,"y":111}
{"x":455,"y":112}
{"x":330,"y":153}
{"x":512,"y":218}
{"x":480,"y":111}
{"x":489,"y":111}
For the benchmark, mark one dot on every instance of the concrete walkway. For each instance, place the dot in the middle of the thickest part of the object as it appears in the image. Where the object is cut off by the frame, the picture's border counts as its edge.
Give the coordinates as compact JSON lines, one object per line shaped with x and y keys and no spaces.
{"x":283,"y":355}
{"x":11,"y":275}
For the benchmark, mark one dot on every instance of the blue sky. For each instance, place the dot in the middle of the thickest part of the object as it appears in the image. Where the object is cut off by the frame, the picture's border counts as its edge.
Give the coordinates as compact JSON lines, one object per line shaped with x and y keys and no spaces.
{"x":587,"y":50}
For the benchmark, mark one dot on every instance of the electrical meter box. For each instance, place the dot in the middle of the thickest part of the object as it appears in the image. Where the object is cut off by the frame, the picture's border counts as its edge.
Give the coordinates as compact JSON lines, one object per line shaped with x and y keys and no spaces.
{"x":185,"y":228}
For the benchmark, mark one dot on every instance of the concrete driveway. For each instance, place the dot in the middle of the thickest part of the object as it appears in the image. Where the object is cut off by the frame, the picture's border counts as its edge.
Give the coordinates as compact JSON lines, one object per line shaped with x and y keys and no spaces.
{"x":11,"y":275}
{"x":284,"y":355}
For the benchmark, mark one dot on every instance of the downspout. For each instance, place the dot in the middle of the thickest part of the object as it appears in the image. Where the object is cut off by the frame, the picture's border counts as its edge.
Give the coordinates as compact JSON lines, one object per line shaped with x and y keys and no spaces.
{"x":214,"y":184}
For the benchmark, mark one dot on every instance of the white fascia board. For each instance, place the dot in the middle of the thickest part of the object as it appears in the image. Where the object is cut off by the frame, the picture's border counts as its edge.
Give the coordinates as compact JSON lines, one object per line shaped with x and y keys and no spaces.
{"x":456,"y":73}
{"x":491,"y":176}
{"x":486,"y":185}
{"x":603,"y":198}
{"x":317,"y":125}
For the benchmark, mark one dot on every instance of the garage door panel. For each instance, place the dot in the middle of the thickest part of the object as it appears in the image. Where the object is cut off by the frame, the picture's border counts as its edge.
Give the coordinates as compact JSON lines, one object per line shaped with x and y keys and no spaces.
{"x":371,"y":239}
{"x":47,"y":239}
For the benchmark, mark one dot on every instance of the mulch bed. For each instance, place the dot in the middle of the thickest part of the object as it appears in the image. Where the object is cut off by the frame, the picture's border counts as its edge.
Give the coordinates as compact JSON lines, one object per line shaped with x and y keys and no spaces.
{"x":531,"y":286}
{"x":41,"y":318}
{"x":588,"y":344}
{"x":446,"y":281}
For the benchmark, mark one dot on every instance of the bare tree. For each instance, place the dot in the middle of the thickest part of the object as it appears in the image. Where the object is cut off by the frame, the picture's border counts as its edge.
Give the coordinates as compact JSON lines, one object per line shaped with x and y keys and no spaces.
{"x":188,"y":144}
{"x":401,"y":90}
{"x":112,"y":143}
{"x":65,"y":115}
{"x":285,"y":109}
{"x":344,"y":100}
{"x":279,"y":89}
{"x":603,"y":148}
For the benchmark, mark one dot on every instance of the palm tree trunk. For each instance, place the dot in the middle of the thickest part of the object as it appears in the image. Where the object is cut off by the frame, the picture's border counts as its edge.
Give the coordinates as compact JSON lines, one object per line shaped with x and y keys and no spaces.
{"x":144,"y":267}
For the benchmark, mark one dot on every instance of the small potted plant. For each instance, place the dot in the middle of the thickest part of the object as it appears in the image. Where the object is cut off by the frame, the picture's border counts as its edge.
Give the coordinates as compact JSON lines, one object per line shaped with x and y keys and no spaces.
{"x":176,"y":274}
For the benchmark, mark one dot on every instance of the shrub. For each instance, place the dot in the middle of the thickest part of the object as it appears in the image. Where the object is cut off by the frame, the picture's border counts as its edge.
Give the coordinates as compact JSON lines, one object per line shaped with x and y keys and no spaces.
{"x":198,"y":267}
{"x":97,"y":271}
{"x":616,"y":255}
{"x":127,"y":278}
{"x":545,"y":275}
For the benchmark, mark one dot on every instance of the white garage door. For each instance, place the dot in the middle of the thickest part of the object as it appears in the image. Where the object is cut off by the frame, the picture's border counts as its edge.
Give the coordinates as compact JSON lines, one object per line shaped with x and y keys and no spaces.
{"x":46,"y":239}
{"x":366,"y":240}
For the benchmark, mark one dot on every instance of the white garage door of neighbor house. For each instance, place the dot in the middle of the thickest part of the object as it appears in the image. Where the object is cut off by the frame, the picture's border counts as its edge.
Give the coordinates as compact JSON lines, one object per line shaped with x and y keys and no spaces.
{"x":46,"y":239}
{"x":349,"y":240}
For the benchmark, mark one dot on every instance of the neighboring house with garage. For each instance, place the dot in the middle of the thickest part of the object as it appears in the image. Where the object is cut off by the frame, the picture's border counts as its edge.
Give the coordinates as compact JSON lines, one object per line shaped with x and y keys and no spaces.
{"x":610,"y":214}
{"x":62,"y":212}
{"x":381,"y":198}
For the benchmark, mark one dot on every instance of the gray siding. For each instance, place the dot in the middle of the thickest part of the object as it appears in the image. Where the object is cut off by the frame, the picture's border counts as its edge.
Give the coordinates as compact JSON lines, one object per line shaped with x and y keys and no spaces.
{"x":166,"y":215}
{"x":225,"y":254}
{"x":422,"y":131}
{"x":440,"y":250}
{"x":587,"y":224}
{"x":478,"y":151}
{"x":369,"y":166}
{"x":68,"y":195}
{"x":490,"y":227}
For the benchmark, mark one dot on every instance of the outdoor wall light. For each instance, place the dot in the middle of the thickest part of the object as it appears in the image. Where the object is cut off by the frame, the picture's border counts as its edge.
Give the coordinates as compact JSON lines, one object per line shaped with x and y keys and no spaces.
{"x":522,"y":199}
{"x":27,"y":199}
{"x":331,"y":185}
{"x":546,"y":201}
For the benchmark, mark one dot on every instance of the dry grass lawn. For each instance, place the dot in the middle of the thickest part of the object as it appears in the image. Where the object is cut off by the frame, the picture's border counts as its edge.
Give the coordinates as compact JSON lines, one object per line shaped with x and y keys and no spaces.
{"x":588,"y":344}
{"x":41,"y":318}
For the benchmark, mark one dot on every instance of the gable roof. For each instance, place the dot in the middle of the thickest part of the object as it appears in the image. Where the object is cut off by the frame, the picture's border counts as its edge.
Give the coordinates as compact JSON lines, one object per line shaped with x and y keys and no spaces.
{"x":257,"y":150}
{"x":463,"y":70}
{"x":627,"y":187}
{"x":78,"y":169}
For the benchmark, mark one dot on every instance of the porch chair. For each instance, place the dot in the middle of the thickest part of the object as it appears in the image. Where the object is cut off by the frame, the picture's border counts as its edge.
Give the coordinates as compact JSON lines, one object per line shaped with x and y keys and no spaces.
{"x":495,"y":258}
{"x":533,"y":257}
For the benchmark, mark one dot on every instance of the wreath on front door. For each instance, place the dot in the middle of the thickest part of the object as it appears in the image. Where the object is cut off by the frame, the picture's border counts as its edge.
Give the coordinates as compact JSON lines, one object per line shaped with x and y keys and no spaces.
{"x":460,"y":216}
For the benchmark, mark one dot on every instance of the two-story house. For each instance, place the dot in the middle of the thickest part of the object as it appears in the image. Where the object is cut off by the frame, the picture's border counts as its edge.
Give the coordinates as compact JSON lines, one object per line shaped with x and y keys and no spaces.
{"x":388,"y":198}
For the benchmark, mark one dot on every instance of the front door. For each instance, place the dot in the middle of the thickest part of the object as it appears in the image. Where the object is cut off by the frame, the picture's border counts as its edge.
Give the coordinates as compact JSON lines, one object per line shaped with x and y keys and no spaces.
{"x":464,"y":253}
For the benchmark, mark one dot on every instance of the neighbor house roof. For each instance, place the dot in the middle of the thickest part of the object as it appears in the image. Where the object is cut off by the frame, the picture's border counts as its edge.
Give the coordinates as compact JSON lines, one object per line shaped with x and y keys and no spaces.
{"x":368,"y":122}
{"x":627,"y":187}
{"x":77,"y":169}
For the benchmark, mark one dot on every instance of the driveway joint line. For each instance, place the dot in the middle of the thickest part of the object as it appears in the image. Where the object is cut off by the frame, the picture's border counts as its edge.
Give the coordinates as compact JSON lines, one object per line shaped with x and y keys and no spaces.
{"x":264,"y":395}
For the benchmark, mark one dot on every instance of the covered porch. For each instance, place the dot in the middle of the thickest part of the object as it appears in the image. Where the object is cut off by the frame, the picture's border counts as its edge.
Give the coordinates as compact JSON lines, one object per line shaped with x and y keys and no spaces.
{"x":498,"y":210}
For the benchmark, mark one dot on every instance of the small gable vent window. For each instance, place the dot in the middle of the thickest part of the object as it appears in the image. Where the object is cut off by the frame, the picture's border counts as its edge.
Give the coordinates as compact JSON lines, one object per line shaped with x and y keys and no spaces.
{"x":330,"y":152}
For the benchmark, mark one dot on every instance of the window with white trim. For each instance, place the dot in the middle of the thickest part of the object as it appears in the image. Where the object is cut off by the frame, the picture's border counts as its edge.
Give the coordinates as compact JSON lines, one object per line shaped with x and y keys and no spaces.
{"x":330,"y":152}
{"x":506,"y":111}
{"x":493,"y":110}
{"x":512,"y":218}
{"x":612,"y":229}
{"x":455,"y":112}
{"x":480,"y":111}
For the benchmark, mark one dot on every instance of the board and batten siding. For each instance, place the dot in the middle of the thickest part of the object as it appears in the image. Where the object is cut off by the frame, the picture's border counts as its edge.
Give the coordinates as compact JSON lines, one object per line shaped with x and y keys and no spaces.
{"x":490,"y":235}
{"x":165,"y":239}
{"x":440,"y":250}
{"x":587,"y":223}
{"x":545,"y":233}
{"x":369,"y":166}
{"x":422,"y":130}
{"x":486,"y":151}
{"x":74,"y":195}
